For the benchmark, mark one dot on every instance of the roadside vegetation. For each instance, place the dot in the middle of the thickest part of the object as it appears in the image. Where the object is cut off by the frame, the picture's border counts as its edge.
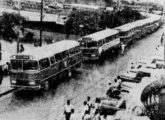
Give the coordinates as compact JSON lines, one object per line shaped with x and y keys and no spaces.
{"x":79,"y":23}
{"x":83,"y":22}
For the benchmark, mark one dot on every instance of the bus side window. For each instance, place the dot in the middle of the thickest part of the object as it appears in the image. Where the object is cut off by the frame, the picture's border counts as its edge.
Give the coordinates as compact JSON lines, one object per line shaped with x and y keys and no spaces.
{"x":107,"y":39}
{"x":65,"y":54}
{"x":71,"y":51}
{"x":104,"y":41}
{"x":44,"y":63}
{"x":58,"y":57}
{"x":100,"y":43}
{"x":52,"y":60}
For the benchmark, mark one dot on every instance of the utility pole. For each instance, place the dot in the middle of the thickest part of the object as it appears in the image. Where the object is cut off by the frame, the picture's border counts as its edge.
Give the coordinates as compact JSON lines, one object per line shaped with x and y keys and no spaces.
{"x":41,"y":18}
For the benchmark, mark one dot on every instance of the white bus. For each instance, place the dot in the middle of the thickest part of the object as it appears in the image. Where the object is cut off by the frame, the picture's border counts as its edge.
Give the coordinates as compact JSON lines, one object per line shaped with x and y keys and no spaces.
{"x":95,"y":44}
{"x":38,"y":68}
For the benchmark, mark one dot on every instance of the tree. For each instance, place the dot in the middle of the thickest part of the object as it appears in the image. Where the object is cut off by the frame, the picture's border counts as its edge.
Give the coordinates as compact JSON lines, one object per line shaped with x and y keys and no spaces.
{"x":87,"y":22}
{"x":109,"y":2}
{"x":7,"y":22}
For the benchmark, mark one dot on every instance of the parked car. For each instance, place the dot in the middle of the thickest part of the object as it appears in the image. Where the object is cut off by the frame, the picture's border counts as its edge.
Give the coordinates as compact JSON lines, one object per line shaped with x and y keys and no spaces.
{"x":135,"y":75}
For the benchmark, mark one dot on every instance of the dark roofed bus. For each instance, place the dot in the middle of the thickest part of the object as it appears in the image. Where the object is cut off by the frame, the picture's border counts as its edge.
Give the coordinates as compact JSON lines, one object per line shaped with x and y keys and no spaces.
{"x":95,"y":44}
{"x":37,"y":68}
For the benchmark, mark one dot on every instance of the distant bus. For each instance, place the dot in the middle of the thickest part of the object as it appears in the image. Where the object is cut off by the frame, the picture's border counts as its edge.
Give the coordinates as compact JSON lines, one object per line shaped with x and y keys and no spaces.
{"x":127,"y":33}
{"x":38,"y":68}
{"x":94,"y":45}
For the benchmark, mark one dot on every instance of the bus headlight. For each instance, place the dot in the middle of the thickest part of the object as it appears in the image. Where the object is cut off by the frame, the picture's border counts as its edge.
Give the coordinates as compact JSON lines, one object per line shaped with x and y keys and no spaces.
{"x":93,"y":55}
{"x":32,"y":83}
{"x":13,"y":81}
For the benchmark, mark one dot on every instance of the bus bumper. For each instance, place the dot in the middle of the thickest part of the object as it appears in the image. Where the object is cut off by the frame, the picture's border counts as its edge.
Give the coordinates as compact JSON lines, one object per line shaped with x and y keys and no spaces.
{"x":90,"y":58}
{"x":38,"y":87}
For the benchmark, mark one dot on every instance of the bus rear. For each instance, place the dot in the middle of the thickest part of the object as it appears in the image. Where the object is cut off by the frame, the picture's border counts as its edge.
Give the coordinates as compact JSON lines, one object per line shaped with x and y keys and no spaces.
{"x":24,"y":72}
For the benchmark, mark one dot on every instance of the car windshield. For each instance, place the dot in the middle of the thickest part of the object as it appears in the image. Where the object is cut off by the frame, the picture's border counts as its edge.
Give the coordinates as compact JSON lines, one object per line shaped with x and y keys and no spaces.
{"x":92,"y":44}
{"x":16,"y":64}
{"x":30,"y":65}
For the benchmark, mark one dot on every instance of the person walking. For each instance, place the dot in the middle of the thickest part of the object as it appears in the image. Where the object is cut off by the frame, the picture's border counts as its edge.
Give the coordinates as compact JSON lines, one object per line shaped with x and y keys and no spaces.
{"x":87,"y":116}
{"x":1,"y":74}
{"x":89,"y":103}
{"x":68,"y":110}
{"x":162,"y":39}
{"x":84,"y":109}
{"x":123,"y":47}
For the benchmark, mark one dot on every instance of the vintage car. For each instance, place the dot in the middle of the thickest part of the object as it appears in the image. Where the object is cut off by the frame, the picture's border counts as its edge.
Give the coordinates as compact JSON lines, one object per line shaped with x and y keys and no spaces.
{"x":110,"y":106}
{"x":149,"y":62}
{"x":135,"y":75}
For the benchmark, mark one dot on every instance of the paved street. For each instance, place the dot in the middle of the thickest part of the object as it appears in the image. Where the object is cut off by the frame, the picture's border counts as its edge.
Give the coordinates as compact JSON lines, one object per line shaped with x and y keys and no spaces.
{"x":92,"y":81}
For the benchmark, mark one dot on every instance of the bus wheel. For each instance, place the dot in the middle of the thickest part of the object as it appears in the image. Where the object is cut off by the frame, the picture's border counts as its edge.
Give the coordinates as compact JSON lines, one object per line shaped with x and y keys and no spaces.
{"x":46,"y":86}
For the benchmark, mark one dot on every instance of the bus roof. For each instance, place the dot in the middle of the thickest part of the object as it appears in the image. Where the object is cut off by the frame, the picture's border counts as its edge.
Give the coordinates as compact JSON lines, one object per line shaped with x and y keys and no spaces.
{"x":50,"y":50}
{"x":128,"y":26}
{"x":125,"y":27}
{"x":101,"y":34}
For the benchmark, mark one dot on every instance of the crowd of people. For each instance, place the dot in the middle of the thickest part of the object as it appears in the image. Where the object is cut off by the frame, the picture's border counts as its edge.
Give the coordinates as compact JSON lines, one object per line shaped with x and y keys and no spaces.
{"x":89,"y":111}
{"x":92,"y":110}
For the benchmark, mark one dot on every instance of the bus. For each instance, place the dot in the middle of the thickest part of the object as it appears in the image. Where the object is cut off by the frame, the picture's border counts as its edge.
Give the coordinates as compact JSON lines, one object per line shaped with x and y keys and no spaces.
{"x":95,"y":44}
{"x":127,"y":33}
{"x":39,"y":68}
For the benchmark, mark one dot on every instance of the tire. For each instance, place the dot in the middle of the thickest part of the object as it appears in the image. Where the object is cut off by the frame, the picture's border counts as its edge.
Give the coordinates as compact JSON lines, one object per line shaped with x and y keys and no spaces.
{"x":46,"y":86}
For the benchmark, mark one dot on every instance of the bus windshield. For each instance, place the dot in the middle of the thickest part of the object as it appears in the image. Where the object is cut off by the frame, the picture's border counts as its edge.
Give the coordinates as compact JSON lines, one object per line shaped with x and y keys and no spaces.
{"x":83,"y":43}
{"x":30,"y":65}
{"x":16,"y":64}
{"x":91,"y":44}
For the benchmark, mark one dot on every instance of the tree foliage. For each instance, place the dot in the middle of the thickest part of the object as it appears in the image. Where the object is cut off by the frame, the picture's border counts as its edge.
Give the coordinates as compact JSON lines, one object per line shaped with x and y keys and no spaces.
{"x":7,"y":22}
{"x":86,"y":22}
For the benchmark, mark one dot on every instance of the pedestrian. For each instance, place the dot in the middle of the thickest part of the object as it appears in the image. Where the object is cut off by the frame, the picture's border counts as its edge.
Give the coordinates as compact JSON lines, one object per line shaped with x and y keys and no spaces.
{"x":123,"y":48}
{"x":97,"y":104}
{"x":84,"y":108}
{"x":21,"y":48}
{"x":67,"y":110}
{"x":89,"y":103}
{"x":162,"y":39}
{"x":1,"y":75}
{"x":109,"y":91}
{"x":132,"y":66}
{"x":87,"y":116}
{"x":97,"y":115}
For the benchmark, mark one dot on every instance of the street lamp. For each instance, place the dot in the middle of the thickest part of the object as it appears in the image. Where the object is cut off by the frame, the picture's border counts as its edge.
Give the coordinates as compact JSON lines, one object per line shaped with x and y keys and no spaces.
{"x":41,"y":19}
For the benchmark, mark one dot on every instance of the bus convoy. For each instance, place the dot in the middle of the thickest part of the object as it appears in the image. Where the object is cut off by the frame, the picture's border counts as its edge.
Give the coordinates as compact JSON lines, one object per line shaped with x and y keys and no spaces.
{"x":37,"y":69}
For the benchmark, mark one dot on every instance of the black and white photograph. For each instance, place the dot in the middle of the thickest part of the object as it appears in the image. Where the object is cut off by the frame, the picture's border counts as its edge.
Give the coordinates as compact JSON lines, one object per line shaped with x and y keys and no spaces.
{"x":82,"y":59}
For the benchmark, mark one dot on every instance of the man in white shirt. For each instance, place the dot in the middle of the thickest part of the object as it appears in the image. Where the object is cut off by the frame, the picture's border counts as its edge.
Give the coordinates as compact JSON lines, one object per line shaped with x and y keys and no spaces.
{"x":68,"y":110}
{"x":122,"y":48}
{"x":89,"y":103}
{"x":84,"y":109}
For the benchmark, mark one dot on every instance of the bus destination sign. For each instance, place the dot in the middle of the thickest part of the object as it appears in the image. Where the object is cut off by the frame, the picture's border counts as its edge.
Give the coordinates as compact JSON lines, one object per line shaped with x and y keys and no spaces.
{"x":22,"y":57}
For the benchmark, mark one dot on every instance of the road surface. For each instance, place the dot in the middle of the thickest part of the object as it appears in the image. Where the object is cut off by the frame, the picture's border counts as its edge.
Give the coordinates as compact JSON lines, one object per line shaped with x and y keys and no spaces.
{"x":93,"y":81}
